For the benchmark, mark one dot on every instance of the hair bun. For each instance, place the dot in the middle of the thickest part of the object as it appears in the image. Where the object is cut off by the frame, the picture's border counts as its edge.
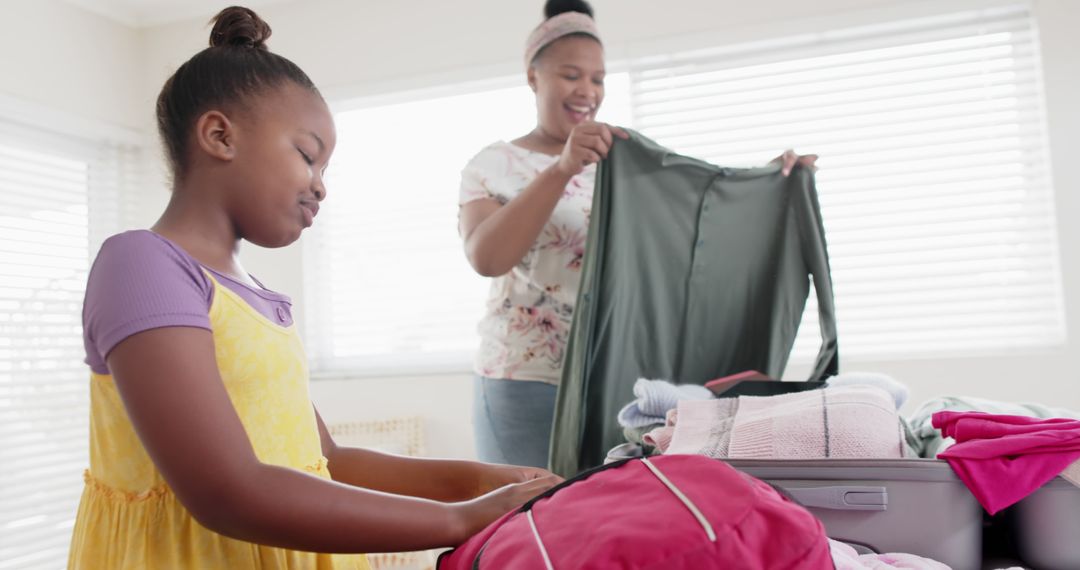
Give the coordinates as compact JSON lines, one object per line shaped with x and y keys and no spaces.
{"x":553,"y":8}
{"x":237,"y":26}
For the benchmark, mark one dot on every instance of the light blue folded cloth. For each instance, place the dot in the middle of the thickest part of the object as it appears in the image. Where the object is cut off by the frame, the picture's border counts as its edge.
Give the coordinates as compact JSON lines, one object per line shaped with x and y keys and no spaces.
{"x":655,"y":398}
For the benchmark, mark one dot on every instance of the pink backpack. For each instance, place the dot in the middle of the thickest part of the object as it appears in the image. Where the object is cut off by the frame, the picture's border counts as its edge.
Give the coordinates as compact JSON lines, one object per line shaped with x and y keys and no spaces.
{"x":668,"y":512}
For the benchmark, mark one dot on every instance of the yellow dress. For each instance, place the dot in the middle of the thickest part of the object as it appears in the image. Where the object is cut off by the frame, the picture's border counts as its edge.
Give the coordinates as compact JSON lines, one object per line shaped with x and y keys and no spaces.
{"x":129,"y":518}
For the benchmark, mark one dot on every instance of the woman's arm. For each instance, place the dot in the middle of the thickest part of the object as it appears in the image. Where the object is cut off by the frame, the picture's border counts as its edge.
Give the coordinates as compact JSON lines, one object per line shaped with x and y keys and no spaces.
{"x":169,"y":382}
{"x":498,"y":236}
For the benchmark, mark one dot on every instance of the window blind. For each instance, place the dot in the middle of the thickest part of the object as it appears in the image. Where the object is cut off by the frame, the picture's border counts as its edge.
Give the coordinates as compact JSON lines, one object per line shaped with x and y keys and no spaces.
{"x":934,"y":185}
{"x":388,"y":289}
{"x":60,"y":196}
{"x":934,"y":182}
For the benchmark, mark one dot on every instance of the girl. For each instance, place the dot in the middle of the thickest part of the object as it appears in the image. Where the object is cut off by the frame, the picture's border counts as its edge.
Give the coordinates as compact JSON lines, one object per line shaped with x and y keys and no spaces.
{"x":206,"y":451}
{"x":524,"y":217}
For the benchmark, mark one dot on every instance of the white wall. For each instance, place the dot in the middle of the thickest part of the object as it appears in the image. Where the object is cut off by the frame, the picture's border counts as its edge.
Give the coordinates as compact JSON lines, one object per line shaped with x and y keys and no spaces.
{"x":72,"y":62}
{"x":359,"y":48}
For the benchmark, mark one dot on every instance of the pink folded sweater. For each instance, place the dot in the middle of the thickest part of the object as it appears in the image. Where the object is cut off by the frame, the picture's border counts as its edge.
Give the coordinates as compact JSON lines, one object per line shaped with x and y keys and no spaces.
{"x":841,"y":422}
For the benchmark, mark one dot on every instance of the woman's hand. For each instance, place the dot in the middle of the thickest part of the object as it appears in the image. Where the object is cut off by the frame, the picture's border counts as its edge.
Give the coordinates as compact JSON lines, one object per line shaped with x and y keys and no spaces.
{"x":789,"y":159}
{"x":588,"y":143}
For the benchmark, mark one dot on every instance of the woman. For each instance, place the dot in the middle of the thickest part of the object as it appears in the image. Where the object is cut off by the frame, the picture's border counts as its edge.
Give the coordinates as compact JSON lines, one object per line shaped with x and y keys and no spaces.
{"x":524,"y":217}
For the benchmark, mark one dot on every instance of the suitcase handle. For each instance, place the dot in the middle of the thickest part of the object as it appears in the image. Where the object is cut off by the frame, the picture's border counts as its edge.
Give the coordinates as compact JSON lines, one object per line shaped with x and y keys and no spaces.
{"x":842,"y":498}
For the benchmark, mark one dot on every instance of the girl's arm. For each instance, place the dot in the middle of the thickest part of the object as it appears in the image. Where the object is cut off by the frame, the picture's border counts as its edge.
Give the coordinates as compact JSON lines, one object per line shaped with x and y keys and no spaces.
{"x":435,"y":479}
{"x":169,"y":382}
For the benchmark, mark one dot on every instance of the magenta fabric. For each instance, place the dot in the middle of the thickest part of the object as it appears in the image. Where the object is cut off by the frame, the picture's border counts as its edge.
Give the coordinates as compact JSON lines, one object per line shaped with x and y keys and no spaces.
{"x":1003,"y":459}
{"x":625,"y":517}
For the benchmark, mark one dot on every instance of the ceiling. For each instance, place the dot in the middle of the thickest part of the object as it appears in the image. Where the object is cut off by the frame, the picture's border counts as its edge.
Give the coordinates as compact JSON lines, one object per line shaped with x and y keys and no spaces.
{"x":142,"y":13}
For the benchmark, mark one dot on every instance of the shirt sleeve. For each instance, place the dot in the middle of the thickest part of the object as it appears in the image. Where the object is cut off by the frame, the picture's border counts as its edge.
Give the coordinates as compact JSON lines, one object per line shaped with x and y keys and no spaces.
{"x":475,"y":178}
{"x":141,"y":281}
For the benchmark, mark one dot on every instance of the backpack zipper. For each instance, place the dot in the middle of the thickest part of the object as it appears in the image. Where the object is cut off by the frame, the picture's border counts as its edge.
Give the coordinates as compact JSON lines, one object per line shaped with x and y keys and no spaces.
{"x":682,"y":497}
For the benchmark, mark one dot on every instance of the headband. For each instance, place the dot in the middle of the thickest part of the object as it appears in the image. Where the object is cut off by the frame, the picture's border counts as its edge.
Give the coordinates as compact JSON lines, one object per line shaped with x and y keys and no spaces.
{"x":556,"y":27}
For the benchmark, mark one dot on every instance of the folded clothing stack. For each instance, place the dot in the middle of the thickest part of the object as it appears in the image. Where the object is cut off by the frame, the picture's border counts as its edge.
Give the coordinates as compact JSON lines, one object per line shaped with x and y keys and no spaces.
{"x":653,"y":399}
{"x":857,"y":421}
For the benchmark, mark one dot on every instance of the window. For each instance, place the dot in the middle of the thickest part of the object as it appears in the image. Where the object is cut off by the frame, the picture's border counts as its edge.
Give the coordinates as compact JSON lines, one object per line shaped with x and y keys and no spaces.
{"x":934,"y":182}
{"x":388,"y":288}
{"x":59,"y":197}
{"x":934,"y":185}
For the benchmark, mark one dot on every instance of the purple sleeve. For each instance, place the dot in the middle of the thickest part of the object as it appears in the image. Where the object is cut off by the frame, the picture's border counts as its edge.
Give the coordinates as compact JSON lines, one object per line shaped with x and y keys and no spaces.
{"x":138,"y":282}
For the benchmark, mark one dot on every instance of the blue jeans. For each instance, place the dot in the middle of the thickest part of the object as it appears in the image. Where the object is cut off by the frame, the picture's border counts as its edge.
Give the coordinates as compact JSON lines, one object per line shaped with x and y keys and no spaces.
{"x":512,"y":420}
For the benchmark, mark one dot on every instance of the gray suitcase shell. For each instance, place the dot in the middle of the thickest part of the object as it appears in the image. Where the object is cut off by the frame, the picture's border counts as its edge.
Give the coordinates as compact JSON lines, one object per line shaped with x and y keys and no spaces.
{"x":1046,"y":526}
{"x":914,"y":506}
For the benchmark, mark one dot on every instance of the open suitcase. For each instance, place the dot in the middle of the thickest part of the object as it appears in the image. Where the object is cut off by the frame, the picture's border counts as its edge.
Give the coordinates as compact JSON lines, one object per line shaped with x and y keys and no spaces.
{"x":915,"y":506}
{"x":919,"y":506}
{"x":1045,"y":526}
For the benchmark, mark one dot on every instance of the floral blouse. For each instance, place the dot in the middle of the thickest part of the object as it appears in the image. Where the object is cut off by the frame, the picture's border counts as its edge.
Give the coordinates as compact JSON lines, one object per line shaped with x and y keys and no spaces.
{"x":529,"y":309}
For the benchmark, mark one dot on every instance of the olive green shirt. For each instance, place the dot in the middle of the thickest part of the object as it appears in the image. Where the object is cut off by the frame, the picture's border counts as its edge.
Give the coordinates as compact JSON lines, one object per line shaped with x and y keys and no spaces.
{"x":691,"y":272}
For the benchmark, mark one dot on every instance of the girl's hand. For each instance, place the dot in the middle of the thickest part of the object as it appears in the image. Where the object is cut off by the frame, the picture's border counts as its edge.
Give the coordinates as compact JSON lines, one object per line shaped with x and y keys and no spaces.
{"x":588,"y":143}
{"x":472,"y":516}
{"x":789,"y":159}
{"x":491,"y":476}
